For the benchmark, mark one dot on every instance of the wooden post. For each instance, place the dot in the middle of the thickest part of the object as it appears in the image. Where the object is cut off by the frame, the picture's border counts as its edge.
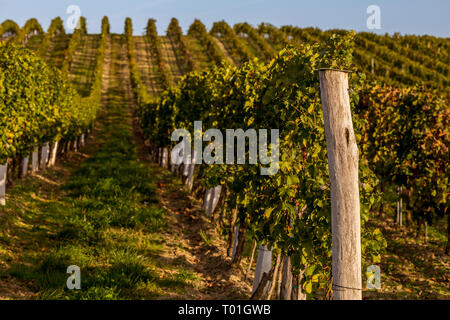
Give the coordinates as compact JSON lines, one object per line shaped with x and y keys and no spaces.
{"x":343,"y":170}
{"x":286,"y":281}
{"x":215,"y":199}
{"x":53,"y":154}
{"x":165,"y":158}
{"x":185,"y":170}
{"x":172,"y":161}
{"x":251,"y":260}
{"x":263,"y":264}
{"x":232,"y":228}
{"x":235,"y":242}
{"x":176,"y":159}
{"x":297,"y":293}
{"x":3,"y":172}
{"x":82,"y":141}
{"x":275,"y":276}
{"x":399,"y":206}
{"x":67,"y":148}
{"x":206,"y":200}
{"x":24,"y":167}
{"x":44,"y":156}
{"x":240,"y":243}
{"x":34,"y":161}
{"x":209,"y":206}
{"x":191,"y":171}
{"x":280,"y":277}
{"x":211,"y":199}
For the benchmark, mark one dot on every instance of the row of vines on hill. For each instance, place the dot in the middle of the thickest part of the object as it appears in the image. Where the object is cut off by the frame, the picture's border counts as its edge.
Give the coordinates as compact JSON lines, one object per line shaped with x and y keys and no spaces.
{"x":407,"y":51}
{"x":74,"y":42}
{"x":9,"y":28}
{"x":31,"y":27}
{"x":406,"y":141}
{"x":397,"y":150}
{"x":290,"y":210}
{"x":406,"y":131}
{"x":140,"y":91}
{"x":175,"y":34}
{"x":56,"y":27}
{"x":198,"y":31}
{"x":237,"y":49}
{"x":244,"y":28}
{"x":384,"y":59}
{"x":156,"y":50}
{"x":38,"y":104}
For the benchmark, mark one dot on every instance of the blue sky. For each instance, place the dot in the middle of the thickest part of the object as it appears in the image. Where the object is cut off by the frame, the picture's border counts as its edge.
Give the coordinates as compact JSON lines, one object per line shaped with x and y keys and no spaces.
{"x":407,"y":17}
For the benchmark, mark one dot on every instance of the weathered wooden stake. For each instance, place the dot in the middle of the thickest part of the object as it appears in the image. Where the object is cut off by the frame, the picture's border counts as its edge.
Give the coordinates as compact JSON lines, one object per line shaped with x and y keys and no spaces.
{"x":44,"y":155}
{"x":53,"y":154}
{"x":286,"y":281}
{"x":275,"y":276}
{"x":68,"y":148}
{"x":172,"y":161}
{"x":209,"y":205}
{"x":206,"y":199}
{"x":211,"y":200}
{"x":217,"y":190}
{"x":343,"y":170}
{"x":297,"y":293}
{"x":280,"y":277}
{"x":24,"y":167}
{"x":263,"y":264}
{"x":34,"y":161}
{"x":190,"y":179}
{"x":3,"y":172}
{"x":399,"y":206}
{"x":186,"y":164}
{"x":165,"y":158}
{"x":251,"y":260}
{"x":82,"y":141}
{"x":235,"y":242}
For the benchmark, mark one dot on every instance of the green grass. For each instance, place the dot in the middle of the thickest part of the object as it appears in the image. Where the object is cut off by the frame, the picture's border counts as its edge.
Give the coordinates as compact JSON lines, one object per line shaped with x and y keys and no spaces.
{"x":206,"y":239}
{"x":105,"y":218}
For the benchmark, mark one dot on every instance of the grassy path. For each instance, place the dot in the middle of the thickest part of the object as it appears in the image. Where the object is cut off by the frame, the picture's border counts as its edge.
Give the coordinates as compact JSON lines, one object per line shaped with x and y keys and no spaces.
{"x":126,"y":223}
{"x":104,"y":219}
